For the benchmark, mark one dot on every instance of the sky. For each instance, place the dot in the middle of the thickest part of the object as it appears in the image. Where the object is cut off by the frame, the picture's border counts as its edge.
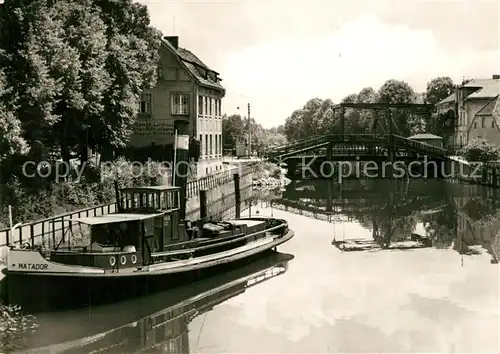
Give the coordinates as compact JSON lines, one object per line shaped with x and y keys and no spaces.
{"x":277,"y":54}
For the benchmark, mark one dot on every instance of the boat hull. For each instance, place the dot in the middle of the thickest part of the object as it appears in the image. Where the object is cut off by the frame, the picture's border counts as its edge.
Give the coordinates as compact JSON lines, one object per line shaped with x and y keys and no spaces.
{"x":75,"y":289}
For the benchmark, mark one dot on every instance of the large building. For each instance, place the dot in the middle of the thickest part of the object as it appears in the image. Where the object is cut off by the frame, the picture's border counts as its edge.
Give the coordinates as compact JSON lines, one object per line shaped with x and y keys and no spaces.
{"x":186,"y":89}
{"x":476,"y":107}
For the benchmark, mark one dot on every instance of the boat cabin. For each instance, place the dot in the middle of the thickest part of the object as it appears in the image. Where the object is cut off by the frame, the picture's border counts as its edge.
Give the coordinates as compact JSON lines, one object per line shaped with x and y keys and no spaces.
{"x":154,"y":199}
{"x":147,"y":222}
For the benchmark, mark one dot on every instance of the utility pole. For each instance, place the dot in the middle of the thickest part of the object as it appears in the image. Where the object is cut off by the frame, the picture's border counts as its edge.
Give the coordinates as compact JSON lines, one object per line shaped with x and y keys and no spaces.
{"x":249,"y":134}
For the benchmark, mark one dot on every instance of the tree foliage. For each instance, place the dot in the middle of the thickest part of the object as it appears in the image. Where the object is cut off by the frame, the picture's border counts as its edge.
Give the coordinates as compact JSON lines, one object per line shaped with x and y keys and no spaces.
{"x":480,"y":150}
{"x":235,"y":129}
{"x":317,"y":117}
{"x":404,"y":122}
{"x":76,"y":69}
{"x":11,"y":137}
{"x":438,"y":89}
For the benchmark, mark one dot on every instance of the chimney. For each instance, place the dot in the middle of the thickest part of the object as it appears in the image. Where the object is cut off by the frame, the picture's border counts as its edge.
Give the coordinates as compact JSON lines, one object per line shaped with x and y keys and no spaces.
{"x":496,"y":76}
{"x":174,"y":40}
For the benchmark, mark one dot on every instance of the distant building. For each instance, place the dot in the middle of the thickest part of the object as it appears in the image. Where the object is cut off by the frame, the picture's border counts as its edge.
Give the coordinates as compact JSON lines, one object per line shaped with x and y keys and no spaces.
{"x":427,"y":138}
{"x":475,"y":105}
{"x":186,"y":89}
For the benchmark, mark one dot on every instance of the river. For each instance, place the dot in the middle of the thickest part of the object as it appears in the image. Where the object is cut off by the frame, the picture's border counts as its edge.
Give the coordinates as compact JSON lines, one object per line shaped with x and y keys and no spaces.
{"x":314,"y":296}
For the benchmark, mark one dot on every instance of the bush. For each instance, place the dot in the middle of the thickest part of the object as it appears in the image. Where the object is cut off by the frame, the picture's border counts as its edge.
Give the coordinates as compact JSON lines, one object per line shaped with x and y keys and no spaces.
{"x":480,"y":150}
{"x":266,"y":170}
{"x":14,"y":325}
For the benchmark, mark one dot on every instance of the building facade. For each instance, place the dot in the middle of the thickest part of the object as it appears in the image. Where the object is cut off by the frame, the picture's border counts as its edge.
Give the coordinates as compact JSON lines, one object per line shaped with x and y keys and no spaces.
{"x":475,"y":106}
{"x":187,"y":89}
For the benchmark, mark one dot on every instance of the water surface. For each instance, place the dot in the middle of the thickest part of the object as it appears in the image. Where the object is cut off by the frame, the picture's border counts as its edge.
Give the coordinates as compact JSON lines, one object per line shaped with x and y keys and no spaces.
{"x":440,"y":298}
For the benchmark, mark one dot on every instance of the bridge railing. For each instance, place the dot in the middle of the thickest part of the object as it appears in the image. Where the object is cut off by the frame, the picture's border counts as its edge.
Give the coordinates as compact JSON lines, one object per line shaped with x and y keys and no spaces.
{"x":382,"y":140}
{"x":417,"y":145}
{"x":49,"y":227}
{"x":314,"y":142}
{"x":287,"y":146}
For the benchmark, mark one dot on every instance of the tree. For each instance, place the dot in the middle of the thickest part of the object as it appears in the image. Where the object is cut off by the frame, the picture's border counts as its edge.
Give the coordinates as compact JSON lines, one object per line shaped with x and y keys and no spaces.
{"x":438,"y":89}
{"x":233,"y":129}
{"x":325,"y":118}
{"x":77,"y":68}
{"x":11,"y":139}
{"x":272,"y":137}
{"x":306,"y":122}
{"x":366,"y":118}
{"x":480,"y":150}
{"x":293,"y":126}
{"x":394,"y":91}
{"x":133,"y":58}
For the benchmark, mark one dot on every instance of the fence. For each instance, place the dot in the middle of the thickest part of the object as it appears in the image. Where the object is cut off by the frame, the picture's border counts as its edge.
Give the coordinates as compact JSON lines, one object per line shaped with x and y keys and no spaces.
{"x":49,"y":227}
{"x":486,"y":175}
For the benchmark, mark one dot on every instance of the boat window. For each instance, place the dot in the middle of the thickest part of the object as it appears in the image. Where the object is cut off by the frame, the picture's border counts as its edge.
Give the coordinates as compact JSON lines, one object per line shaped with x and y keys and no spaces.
{"x":158,"y":201}
{"x":104,"y":234}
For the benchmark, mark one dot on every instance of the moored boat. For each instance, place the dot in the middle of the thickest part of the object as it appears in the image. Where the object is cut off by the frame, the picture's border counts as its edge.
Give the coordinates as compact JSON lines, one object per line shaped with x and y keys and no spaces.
{"x":144,"y":239}
{"x":125,"y":327}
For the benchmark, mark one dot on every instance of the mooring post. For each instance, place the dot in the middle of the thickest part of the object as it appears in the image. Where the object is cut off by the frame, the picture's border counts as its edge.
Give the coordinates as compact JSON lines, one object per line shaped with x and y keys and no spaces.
{"x":181,"y":165}
{"x":203,"y":204}
{"x":237,"y":195}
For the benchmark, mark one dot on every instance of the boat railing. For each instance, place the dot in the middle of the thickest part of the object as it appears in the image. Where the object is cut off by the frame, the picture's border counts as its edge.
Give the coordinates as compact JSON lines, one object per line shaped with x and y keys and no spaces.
{"x":278,"y":229}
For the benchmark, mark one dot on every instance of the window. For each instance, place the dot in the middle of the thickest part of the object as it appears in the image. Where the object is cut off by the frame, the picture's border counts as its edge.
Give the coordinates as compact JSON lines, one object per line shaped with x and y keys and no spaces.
{"x":200,"y":105}
{"x":220,"y":107}
{"x":180,"y":103}
{"x":211,"y":146}
{"x":216,"y":103}
{"x":205,"y":111}
{"x":220,"y":144}
{"x":145,"y":103}
{"x":493,"y":124}
{"x":482,"y":122}
{"x":474,"y":125}
{"x":216,"y":145}
{"x":201,"y":145}
{"x":210,"y":106}
{"x":206,"y":145}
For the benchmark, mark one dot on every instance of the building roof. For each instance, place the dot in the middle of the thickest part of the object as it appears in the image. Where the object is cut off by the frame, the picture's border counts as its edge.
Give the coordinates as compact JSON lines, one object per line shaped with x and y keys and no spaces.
{"x":196,"y":67}
{"x":487,"y":88}
{"x":449,"y":99}
{"x":425,"y":136}
{"x":489,"y":108}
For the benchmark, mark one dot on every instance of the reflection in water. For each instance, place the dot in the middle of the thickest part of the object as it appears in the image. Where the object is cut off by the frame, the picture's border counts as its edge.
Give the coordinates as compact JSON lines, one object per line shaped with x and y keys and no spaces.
{"x":116,"y":328}
{"x":426,"y":212}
